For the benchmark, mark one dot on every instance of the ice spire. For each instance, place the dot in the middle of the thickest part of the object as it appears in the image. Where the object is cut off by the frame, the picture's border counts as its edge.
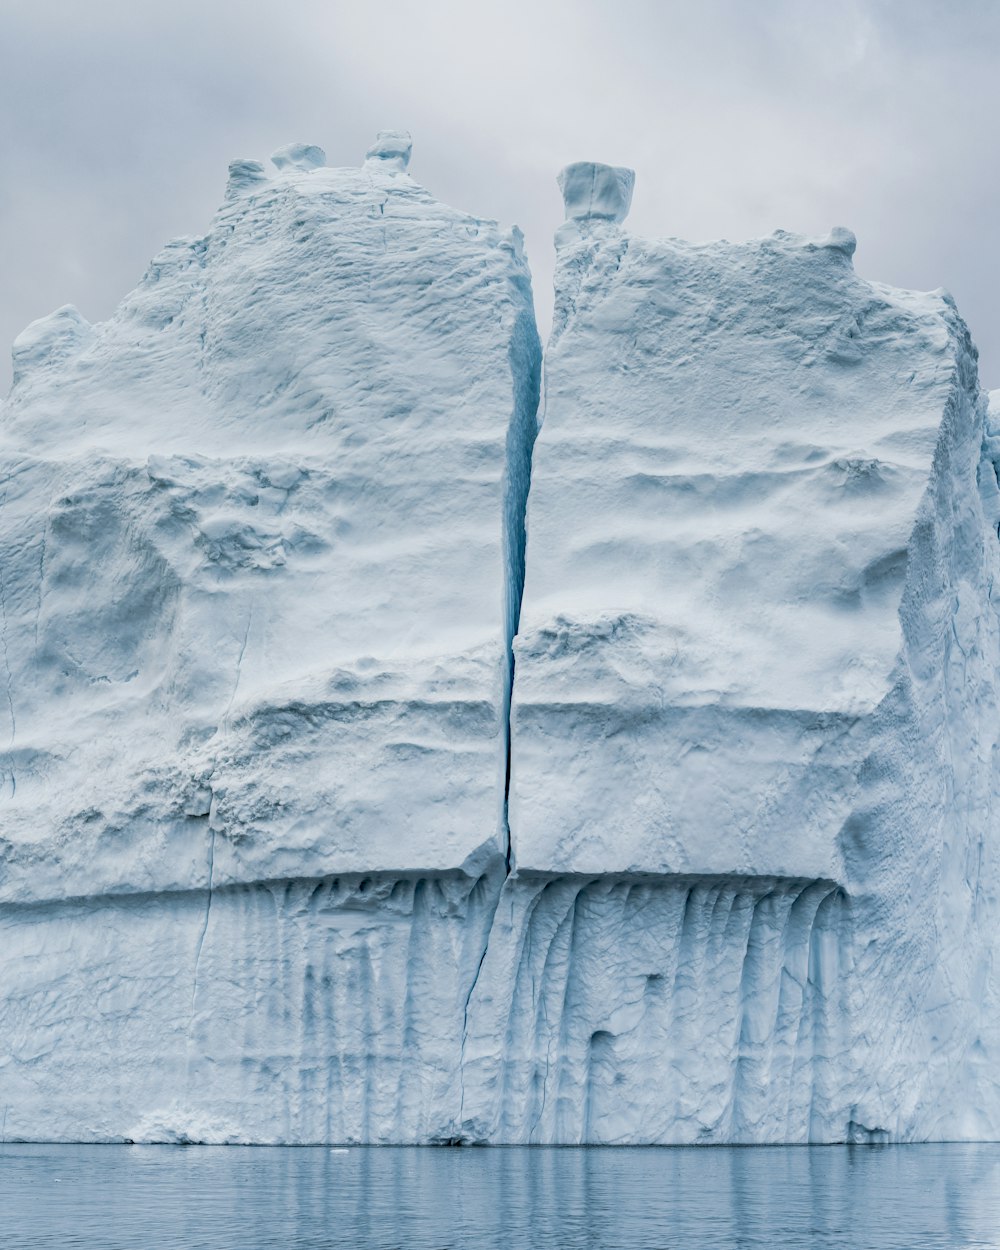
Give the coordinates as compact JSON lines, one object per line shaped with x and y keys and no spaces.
{"x":390,"y":153}
{"x":596,"y":191}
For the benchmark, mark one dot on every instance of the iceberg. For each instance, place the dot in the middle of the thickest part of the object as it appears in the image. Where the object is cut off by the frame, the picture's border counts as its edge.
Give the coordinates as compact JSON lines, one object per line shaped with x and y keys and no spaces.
{"x":410,"y":743}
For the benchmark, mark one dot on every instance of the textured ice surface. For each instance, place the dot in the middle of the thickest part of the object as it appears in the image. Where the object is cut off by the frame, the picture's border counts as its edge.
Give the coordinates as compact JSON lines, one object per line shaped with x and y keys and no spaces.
{"x":264,"y":547}
{"x":255,"y":531}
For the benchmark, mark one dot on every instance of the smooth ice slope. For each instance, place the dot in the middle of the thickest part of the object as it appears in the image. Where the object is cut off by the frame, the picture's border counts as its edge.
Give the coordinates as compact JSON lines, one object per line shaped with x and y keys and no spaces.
{"x":758,"y":644}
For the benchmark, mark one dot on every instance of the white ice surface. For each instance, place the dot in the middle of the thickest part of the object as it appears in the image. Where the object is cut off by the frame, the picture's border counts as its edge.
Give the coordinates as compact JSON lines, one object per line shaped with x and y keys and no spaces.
{"x":736,"y":441}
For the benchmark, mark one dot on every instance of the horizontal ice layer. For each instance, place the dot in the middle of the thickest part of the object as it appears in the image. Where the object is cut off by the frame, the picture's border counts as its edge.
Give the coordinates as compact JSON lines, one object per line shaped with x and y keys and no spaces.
{"x":256,"y":530}
{"x":433,"y":1008}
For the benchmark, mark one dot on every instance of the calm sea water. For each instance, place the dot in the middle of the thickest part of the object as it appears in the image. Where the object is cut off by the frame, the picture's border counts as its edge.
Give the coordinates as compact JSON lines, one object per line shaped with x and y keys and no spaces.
{"x":158,"y":1197}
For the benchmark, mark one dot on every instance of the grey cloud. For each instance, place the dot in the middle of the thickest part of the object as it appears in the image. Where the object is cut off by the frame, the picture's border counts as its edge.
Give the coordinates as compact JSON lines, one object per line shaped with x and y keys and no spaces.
{"x":118,"y":120}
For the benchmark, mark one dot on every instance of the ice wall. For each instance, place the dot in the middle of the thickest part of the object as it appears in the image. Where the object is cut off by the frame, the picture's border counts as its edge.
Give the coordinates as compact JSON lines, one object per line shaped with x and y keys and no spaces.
{"x":265,"y":541}
{"x":257,"y":533}
{"x":287,"y":1011}
{"x":758,"y":636}
{"x":381,"y":1009}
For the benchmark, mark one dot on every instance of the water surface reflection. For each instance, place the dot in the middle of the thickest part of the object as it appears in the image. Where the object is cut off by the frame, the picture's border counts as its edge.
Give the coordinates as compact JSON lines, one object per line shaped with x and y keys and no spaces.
{"x":210,"y":1198}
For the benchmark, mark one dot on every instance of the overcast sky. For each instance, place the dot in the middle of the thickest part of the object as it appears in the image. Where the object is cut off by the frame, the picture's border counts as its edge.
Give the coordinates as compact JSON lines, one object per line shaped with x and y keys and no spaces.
{"x":119,"y":118}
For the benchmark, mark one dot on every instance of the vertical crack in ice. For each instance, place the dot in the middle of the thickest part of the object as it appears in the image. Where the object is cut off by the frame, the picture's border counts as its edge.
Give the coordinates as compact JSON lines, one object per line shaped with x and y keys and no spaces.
{"x":41,"y":572}
{"x":525,"y":355}
{"x":205,"y":920}
{"x":468,"y":998}
{"x":192,"y":1053}
{"x":239,"y":670}
{"x":203,"y":931}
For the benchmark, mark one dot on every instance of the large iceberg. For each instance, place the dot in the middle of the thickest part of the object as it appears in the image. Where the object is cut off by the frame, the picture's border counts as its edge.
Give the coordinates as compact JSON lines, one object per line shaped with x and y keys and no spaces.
{"x":312,"y":831}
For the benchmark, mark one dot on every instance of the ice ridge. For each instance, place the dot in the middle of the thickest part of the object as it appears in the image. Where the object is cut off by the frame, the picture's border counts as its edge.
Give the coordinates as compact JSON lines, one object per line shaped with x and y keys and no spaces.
{"x":413,"y":743}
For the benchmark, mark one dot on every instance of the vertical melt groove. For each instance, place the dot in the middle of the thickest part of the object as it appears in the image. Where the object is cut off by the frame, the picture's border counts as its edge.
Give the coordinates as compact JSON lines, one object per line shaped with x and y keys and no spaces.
{"x":658,"y":1011}
{"x":525,"y":355}
{"x":525,"y":359}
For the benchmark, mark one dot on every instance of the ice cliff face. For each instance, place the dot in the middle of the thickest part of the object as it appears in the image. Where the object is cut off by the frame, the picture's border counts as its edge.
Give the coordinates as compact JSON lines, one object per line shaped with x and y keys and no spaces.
{"x":264,"y":547}
{"x":255,"y":545}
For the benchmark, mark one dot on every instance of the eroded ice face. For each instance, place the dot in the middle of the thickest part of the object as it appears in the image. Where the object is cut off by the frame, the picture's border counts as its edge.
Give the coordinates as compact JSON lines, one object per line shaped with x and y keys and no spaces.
{"x":264,"y":569}
{"x":255,"y":882}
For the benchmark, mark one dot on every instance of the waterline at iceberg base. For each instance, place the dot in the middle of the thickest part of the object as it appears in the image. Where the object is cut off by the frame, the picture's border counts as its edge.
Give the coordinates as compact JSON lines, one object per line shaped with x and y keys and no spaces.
{"x":412,"y":744}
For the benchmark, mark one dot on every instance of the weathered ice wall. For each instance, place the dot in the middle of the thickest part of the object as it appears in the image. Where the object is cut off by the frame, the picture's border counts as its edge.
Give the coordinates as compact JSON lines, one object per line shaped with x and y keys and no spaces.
{"x":378,"y":773}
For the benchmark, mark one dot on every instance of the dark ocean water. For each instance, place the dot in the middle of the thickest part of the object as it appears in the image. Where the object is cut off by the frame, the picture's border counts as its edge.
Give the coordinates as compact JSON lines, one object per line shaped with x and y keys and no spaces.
{"x":153,"y":1197}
